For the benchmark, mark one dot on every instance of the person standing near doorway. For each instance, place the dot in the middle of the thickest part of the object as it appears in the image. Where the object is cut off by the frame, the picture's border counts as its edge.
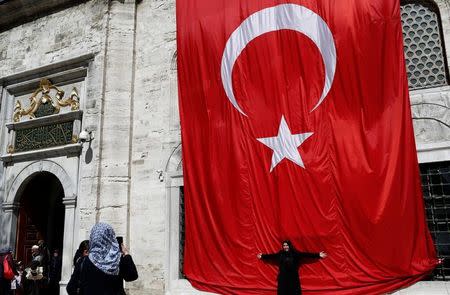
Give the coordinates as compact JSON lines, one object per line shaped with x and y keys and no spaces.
{"x":35,"y":273}
{"x":74,"y":284}
{"x":45,"y":253}
{"x":16,"y":284}
{"x":54,"y":273}
{"x":6,"y":259}
{"x":82,"y":251}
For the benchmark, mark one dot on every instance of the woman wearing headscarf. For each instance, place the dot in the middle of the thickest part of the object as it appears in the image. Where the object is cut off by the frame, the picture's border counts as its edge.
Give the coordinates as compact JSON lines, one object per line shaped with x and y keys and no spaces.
{"x":106,"y":266}
{"x":288,"y":260}
{"x":73,"y":286}
{"x":82,"y":251}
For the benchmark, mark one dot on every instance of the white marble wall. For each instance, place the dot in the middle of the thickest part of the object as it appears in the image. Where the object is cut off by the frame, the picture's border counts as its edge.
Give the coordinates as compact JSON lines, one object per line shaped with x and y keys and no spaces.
{"x":129,"y":101}
{"x":433,"y":138}
{"x":155,"y":136}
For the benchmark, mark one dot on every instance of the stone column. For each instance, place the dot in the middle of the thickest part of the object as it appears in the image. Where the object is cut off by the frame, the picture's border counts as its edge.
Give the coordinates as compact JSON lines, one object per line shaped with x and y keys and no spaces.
{"x":116,"y":122}
{"x":9,"y":226}
{"x":68,"y":249}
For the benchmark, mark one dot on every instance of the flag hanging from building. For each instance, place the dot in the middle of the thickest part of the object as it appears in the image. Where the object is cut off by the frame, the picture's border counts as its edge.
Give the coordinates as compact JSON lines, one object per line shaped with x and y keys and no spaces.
{"x":296,"y":125}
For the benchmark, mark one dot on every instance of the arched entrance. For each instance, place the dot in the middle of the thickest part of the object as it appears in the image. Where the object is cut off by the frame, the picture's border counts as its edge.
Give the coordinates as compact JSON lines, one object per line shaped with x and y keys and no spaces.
{"x":40,"y":215}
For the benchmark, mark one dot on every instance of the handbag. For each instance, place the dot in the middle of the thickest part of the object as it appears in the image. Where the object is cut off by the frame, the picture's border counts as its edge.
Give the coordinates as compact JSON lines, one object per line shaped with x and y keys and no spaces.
{"x":8,"y":273}
{"x":34,"y":274}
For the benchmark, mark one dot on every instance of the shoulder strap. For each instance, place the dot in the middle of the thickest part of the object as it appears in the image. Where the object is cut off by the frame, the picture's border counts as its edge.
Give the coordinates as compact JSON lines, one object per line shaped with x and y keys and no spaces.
{"x":82,"y":263}
{"x":80,"y":270}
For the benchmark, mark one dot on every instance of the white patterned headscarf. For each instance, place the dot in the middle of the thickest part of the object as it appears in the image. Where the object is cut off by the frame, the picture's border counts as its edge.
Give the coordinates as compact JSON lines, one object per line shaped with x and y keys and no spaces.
{"x":104,"y":249}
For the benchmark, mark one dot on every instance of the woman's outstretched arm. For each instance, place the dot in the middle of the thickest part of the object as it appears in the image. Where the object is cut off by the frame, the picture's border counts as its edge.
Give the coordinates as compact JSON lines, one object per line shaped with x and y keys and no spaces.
{"x":272,"y":256}
{"x":321,"y":254}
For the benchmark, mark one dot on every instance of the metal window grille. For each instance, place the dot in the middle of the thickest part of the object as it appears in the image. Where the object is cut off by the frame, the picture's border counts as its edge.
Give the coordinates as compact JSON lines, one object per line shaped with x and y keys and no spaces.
{"x":423,"y":44}
{"x":436,"y":193}
{"x":182,"y":234}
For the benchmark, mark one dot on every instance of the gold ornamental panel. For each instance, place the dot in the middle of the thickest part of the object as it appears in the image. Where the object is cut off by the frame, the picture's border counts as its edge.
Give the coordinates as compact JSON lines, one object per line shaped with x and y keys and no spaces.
{"x":42,"y":103}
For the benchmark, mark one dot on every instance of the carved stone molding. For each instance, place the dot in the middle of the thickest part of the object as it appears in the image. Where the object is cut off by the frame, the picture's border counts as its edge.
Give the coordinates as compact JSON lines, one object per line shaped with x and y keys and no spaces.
{"x":69,"y":202}
{"x":69,"y":150}
{"x":10,"y":207}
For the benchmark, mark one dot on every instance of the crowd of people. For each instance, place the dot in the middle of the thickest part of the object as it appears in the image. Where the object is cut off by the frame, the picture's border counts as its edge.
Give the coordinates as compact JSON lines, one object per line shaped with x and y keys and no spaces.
{"x":42,"y":272}
{"x":101,"y":264}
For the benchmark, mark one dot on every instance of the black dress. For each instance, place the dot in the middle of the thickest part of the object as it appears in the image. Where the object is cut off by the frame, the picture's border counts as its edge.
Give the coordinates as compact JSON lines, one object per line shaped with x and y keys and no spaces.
{"x":96,"y":282}
{"x":54,"y":275}
{"x":92,"y":281}
{"x":288,"y":264}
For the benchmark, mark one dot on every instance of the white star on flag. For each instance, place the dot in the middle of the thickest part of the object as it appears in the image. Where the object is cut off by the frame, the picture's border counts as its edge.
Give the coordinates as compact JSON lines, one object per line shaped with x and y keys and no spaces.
{"x":285,"y":145}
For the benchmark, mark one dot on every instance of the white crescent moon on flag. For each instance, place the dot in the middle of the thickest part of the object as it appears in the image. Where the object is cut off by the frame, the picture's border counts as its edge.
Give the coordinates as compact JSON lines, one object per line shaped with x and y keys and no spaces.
{"x":281,"y":17}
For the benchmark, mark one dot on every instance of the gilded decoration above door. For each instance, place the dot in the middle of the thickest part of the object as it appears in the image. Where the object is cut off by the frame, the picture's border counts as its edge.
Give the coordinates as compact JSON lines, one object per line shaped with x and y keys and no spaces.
{"x":46,"y":127}
{"x":43,"y":103}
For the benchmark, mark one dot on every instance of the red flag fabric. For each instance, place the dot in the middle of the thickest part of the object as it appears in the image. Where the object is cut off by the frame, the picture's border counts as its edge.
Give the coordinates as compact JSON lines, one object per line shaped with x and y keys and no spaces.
{"x":296,"y":125}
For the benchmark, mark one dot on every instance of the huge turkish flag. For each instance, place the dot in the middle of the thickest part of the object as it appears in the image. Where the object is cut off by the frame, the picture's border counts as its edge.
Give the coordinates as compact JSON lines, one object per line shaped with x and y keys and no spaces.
{"x":296,"y":125}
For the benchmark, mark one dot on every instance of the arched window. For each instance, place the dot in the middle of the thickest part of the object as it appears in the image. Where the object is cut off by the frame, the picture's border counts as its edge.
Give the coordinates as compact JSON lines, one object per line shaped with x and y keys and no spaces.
{"x":423,"y":44}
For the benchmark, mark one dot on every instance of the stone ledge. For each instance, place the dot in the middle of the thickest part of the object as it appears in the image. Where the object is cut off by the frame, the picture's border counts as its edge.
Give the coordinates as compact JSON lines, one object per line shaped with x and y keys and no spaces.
{"x":433,"y":152}
{"x":69,"y":150}
{"x":433,"y":146}
{"x":69,"y":70}
{"x":426,"y":287}
{"x":51,"y":119}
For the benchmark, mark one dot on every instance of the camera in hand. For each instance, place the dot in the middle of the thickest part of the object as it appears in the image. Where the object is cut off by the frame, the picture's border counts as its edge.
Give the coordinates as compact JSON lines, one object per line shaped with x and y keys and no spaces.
{"x":120,"y":241}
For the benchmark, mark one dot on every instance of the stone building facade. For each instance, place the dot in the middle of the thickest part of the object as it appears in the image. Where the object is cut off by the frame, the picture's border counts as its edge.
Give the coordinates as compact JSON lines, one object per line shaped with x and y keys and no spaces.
{"x":120,"y":58}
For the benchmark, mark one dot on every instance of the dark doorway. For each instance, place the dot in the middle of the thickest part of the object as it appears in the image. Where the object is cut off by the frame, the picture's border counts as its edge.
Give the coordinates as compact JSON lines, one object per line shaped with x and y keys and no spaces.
{"x":41,"y":215}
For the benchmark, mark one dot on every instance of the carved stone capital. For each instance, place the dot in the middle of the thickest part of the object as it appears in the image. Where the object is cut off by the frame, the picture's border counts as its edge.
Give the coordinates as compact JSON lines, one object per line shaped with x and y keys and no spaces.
{"x":69,"y":202}
{"x":10,"y":207}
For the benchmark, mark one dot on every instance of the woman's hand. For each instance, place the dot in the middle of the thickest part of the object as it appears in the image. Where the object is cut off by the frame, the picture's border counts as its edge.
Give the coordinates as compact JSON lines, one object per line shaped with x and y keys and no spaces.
{"x":124,"y":250}
{"x":259,"y":255}
{"x":322,"y":254}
